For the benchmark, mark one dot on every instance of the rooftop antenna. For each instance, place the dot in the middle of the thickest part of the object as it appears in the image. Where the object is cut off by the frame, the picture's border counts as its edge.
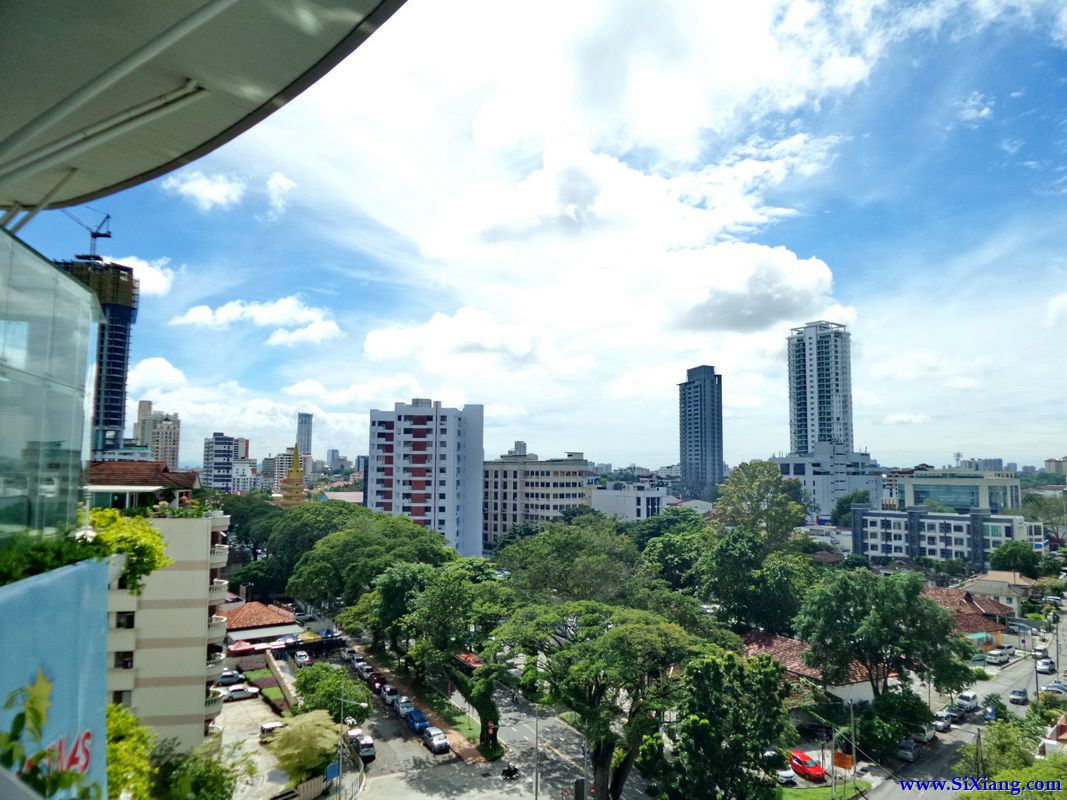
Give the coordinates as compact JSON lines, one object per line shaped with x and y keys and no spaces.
{"x":101,"y":231}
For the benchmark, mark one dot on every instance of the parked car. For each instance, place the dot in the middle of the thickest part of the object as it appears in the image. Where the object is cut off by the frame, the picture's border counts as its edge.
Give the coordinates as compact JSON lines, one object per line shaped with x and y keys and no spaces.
{"x":968,"y":701}
{"x":990,"y":714}
{"x":268,"y":730}
{"x":1040,"y":652}
{"x":417,"y":721}
{"x":435,"y":740}
{"x":403,"y":706}
{"x":376,"y":681}
{"x":389,"y":693}
{"x":1056,"y":601}
{"x":942,"y":721}
{"x":361,"y":742}
{"x":1008,"y":648}
{"x":241,"y":692}
{"x":1019,"y":697}
{"x":956,"y":713}
{"x":302,"y":659}
{"x":785,"y":777}
{"x":1046,"y":666}
{"x":365,"y":670}
{"x":805,"y":766}
{"x":304,"y":616}
{"x":230,"y":677}
{"x":1020,"y":629}
{"x":1056,"y":690}
{"x":907,"y":750}
{"x":996,"y":657}
{"x":1057,"y":684}
{"x":925,"y":735}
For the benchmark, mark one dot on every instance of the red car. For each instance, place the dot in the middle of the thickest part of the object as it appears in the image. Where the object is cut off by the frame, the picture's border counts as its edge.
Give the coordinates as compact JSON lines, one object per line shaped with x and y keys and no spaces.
{"x":805,"y":766}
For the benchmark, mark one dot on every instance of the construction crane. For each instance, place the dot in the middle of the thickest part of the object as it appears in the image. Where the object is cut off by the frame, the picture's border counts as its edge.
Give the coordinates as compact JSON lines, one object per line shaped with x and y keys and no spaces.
{"x":101,"y":231}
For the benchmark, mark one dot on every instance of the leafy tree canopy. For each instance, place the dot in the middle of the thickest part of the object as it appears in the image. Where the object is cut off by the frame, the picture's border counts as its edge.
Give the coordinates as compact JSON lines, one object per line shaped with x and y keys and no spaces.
{"x":322,"y":687}
{"x":842,"y":512}
{"x":1052,"y":768}
{"x":1016,"y":557}
{"x":732,"y":710}
{"x":756,"y":496}
{"x":202,"y":774}
{"x":130,"y":771}
{"x":306,"y":744}
{"x":673,"y":520}
{"x":674,"y":556}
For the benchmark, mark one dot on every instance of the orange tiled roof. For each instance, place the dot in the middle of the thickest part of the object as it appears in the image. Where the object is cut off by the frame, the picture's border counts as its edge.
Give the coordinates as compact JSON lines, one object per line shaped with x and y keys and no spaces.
{"x":140,"y":473}
{"x":790,"y":654}
{"x":971,"y":612}
{"x":255,"y":615}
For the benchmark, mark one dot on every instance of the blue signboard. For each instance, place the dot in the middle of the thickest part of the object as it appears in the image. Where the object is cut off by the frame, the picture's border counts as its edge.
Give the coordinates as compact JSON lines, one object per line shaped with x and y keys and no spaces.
{"x":54,"y":628}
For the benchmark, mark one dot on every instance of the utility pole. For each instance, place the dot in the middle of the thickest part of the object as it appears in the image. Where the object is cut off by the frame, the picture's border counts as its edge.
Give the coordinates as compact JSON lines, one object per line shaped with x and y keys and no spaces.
{"x":833,"y":772}
{"x":852,"y":725}
{"x":978,"y":752}
{"x":537,"y":718}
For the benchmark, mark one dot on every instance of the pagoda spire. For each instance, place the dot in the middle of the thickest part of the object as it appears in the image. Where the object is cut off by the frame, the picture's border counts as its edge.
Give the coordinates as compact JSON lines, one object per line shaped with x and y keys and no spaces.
{"x":293,"y":491}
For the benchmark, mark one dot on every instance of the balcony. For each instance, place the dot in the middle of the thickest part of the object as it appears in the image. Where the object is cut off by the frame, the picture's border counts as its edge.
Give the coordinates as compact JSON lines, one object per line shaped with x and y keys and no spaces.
{"x":213,"y":704}
{"x":220,"y":555}
{"x":216,"y":591}
{"x":214,"y":667}
{"x":216,"y":628}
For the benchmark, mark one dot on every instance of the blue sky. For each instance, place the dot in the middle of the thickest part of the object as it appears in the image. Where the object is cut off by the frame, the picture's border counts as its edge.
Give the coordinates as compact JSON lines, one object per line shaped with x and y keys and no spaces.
{"x":555,"y":216}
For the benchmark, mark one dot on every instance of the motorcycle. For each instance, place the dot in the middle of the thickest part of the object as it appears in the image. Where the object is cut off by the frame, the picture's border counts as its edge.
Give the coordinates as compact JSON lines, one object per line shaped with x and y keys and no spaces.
{"x":510,"y":772}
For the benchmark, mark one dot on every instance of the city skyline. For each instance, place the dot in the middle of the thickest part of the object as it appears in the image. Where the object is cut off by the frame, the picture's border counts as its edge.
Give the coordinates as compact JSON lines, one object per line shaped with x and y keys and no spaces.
{"x":561,"y":259}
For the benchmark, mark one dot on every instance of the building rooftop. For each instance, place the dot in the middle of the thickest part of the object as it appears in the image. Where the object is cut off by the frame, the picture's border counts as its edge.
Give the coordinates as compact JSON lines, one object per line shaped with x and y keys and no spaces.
{"x":972,"y":612}
{"x":1003,"y":576}
{"x":147,"y":475}
{"x":256,"y":615}
{"x":790,"y":654}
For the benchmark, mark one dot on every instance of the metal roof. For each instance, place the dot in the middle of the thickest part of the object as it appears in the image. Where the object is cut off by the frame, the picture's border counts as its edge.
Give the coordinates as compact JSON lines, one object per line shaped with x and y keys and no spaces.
{"x":100,"y":96}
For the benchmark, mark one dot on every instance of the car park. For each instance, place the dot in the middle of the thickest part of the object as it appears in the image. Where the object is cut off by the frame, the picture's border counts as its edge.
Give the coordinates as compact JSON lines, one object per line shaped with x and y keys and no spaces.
{"x":389,"y":693}
{"x":302,"y":659}
{"x":230,"y":677}
{"x":435,"y":740}
{"x":417,"y":721}
{"x":1019,"y":697}
{"x":907,"y":750}
{"x":805,"y":766}
{"x":241,"y":692}
{"x":403,"y":706}
{"x":1046,"y":666}
{"x":942,"y":721}
{"x":968,"y":701}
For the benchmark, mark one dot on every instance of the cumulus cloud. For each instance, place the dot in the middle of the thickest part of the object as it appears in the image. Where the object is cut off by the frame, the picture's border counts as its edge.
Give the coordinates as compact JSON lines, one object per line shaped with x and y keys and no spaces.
{"x":154,"y":373}
{"x":1056,"y":310}
{"x":297,"y":321}
{"x":279,"y":186}
{"x":904,"y":419}
{"x":381,"y":391}
{"x":155,"y":276}
{"x":206,"y":191}
{"x":975,"y":109}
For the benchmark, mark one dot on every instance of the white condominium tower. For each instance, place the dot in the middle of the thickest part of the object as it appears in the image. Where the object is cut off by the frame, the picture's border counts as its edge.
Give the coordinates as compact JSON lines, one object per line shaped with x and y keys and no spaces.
{"x":426,"y":463}
{"x":820,"y":386}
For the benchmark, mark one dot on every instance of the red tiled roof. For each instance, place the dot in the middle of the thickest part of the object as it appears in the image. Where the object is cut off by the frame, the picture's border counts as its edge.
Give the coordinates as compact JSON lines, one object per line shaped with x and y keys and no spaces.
{"x":140,"y":473}
{"x":790,"y":654}
{"x":255,"y":615}
{"x":822,"y":557}
{"x":972,"y":612}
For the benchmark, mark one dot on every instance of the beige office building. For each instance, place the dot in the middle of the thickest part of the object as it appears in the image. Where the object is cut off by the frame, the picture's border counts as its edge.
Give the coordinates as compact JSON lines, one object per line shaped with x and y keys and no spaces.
{"x":519,"y":487}
{"x":159,"y":432}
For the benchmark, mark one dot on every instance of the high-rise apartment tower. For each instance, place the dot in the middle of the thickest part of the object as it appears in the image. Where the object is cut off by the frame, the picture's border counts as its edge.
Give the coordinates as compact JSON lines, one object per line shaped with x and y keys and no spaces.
{"x":303,"y":432}
{"x":159,"y":432}
{"x":820,"y":386}
{"x":700,"y":430}
{"x":426,"y":463}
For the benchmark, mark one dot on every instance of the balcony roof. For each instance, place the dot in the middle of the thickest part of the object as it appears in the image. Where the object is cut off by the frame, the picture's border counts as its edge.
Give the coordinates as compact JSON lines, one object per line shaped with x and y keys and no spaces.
{"x":101,"y":96}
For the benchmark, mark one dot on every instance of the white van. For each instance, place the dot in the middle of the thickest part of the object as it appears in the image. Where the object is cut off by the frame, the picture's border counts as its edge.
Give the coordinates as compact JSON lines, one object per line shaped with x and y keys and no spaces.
{"x":268,"y":730}
{"x":968,"y":701}
{"x":996,"y":657}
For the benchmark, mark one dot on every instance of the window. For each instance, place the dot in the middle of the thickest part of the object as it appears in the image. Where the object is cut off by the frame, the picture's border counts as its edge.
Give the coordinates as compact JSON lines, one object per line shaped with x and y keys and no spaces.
{"x":124,"y":619}
{"x":123,"y":660}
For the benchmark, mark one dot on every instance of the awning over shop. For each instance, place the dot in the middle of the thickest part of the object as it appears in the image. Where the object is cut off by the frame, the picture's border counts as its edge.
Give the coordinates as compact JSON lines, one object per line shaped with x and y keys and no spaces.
{"x":257,"y":634}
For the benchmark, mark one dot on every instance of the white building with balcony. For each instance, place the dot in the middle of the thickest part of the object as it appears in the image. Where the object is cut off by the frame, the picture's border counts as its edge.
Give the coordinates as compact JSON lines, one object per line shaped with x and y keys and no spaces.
{"x":425,"y":463}
{"x":629,"y":501}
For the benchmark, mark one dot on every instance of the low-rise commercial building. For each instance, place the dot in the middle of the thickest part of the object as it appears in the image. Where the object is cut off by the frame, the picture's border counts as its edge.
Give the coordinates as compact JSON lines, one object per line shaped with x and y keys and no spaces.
{"x":918,"y":532}
{"x":629,"y":501}
{"x":959,"y":489}
{"x":1007,"y":588}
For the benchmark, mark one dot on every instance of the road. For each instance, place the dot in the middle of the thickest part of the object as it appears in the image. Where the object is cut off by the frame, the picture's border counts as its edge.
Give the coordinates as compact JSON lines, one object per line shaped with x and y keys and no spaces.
{"x":937,"y":759}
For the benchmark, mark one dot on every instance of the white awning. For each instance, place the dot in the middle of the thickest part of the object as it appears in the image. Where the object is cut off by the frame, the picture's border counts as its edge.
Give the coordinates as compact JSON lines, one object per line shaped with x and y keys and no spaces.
{"x":103,"y":95}
{"x":95,"y":488}
{"x":254,"y":634}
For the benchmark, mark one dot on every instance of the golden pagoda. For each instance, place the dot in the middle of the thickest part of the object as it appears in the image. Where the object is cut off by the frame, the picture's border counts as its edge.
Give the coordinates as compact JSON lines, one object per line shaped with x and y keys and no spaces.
{"x":293,"y":491}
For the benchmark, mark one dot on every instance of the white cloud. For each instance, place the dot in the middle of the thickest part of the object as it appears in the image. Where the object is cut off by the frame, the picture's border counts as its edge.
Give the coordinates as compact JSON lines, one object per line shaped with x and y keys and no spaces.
{"x":976,"y":109}
{"x":154,"y":373}
{"x":905,"y":419}
{"x":1056,"y":310}
{"x":155,"y":276}
{"x":279,"y":186}
{"x":373,"y":393}
{"x":299,"y":322}
{"x":1011,"y":146}
{"x":206,"y":191}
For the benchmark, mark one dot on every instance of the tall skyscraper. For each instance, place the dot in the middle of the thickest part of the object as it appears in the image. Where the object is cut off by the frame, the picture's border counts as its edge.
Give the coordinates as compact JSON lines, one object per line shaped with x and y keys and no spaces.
{"x":820,"y":386}
{"x":303,"y":433}
{"x":426,"y":463}
{"x":221,"y":454}
{"x":159,"y":432}
{"x":117,"y":291}
{"x":700,"y":430}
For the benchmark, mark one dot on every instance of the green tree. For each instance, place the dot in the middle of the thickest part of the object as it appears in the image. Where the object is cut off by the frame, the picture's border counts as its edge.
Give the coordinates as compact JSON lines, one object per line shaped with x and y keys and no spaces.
{"x":675,"y":556}
{"x":891,"y":717}
{"x":1050,"y":769}
{"x":322,"y":687}
{"x":783,"y":585}
{"x":260,"y":577}
{"x":1004,"y":748}
{"x":1016,"y":557}
{"x":250,"y":518}
{"x":571,"y":514}
{"x":756,"y":497}
{"x":397,"y":589}
{"x":887,"y":625}
{"x":673,"y":520}
{"x":199,"y":775}
{"x":130,"y":771}
{"x":294,"y":531}
{"x":364,"y":617}
{"x":306,"y":744}
{"x":612,"y":666}
{"x":842,"y":512}
{"x":731,"y":711}
{"x":730,"y":573}
{"x":516,"y":532}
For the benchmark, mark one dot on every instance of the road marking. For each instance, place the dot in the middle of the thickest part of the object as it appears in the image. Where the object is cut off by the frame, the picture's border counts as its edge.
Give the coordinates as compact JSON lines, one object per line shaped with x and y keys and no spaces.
{"x":565,"y":757}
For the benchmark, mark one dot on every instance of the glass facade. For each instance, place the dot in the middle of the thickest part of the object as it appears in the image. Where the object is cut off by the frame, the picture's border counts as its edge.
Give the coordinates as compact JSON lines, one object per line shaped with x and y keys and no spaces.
{"x":47,"y":330}
{"x":958,"y":497}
